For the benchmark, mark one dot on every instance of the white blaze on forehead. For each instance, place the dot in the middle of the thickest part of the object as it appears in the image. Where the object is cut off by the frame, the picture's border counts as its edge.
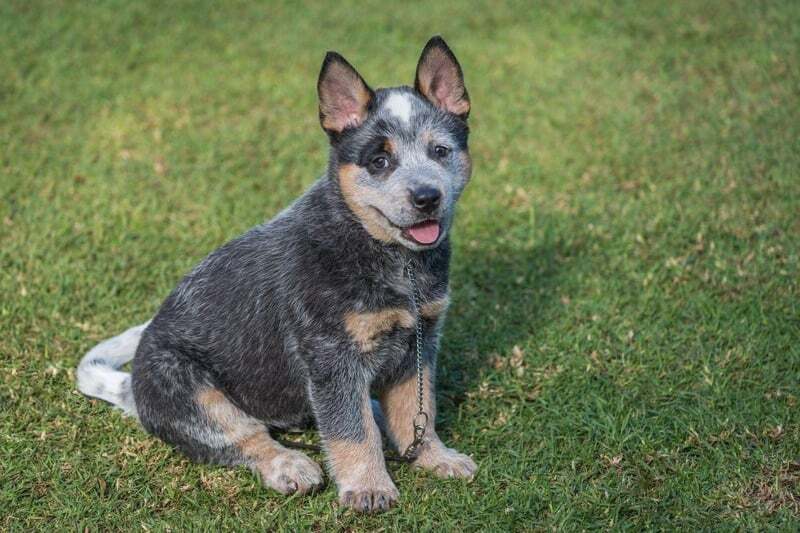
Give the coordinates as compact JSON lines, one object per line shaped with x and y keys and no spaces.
{"x":399,"y":105}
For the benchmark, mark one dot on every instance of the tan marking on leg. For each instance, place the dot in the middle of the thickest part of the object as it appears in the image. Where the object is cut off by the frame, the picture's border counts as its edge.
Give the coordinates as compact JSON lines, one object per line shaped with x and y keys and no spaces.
{"x":399,"y":404}
{"x":287,"y":471}
{"x":366,"y":328}
{"x":351,"y":191}
{"x":357,"y":458}
{"x":359,"y":468}
{"x":234,"y":423}
{"x":242,"y":430}
{"x":261,"y":448}
{"x":436,"y":307}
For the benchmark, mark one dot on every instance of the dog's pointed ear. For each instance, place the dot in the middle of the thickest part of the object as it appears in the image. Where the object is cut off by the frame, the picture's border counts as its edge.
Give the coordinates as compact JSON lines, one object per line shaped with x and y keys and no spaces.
{"x":440,"y":80}
{"x":344,"y":96}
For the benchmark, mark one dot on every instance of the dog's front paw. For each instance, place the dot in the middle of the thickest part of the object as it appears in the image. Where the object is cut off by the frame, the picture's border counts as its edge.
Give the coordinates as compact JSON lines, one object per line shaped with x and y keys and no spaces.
{"x":291,"y":472}
{"x":375,"y":499}
{"x":446,"y":462}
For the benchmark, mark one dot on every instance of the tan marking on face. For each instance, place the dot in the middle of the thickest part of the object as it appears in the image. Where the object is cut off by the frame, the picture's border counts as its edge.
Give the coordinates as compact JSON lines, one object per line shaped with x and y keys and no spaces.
{"x":352,"y":192}
{"x":399,"y":404}
{"x":389,"y":146}
{"x":435,"y":308}
{"x":366,"y":328}
{"x":362,"y":460}
{"x":243,"y":431}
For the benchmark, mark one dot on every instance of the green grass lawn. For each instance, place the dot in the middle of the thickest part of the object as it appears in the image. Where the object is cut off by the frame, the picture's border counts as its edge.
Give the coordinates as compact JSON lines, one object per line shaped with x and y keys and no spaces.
{"x":623,"y":348}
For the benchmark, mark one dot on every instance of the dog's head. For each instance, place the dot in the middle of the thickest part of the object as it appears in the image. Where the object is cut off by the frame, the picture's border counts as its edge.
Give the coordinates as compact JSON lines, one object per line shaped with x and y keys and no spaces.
{"x":399,"y":155}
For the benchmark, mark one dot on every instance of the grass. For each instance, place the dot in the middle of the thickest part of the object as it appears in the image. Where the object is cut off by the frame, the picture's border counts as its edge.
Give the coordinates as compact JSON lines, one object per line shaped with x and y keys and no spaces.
{"x":623,"y":349}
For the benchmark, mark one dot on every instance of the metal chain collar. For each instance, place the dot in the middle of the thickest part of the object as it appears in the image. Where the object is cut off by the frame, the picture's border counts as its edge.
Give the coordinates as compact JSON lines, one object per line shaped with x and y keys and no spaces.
{"x":420,"y":420}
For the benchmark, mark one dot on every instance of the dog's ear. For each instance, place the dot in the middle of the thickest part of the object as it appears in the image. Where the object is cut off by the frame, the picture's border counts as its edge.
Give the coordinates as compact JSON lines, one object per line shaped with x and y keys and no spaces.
{"x":440,"y":80}
{"x":344,"y":96}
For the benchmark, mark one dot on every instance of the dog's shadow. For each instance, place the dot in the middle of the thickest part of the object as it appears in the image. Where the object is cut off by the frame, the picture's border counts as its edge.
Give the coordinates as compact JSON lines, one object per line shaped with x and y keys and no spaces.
{"x":499,"y":297}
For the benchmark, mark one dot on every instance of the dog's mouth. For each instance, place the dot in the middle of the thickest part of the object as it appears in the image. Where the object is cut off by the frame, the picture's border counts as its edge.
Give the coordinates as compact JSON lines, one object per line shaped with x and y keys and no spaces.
{"x":424,"y":233}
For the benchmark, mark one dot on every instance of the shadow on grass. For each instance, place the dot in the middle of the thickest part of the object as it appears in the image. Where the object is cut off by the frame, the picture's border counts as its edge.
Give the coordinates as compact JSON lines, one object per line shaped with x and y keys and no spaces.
{"x":502,"y":296}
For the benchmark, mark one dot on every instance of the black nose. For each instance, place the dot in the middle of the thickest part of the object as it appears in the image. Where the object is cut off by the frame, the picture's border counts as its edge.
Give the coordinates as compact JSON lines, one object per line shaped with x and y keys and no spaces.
{"x":425,"y":199}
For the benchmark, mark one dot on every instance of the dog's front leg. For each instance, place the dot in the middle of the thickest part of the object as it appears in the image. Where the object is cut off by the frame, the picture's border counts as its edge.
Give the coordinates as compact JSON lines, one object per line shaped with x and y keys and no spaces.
{"x":399,"y":405}
{"x":352,"y":441}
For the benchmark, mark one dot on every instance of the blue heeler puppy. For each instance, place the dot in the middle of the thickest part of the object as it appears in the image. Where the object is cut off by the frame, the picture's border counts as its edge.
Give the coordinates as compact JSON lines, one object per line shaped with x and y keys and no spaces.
{"x":303,"y":318}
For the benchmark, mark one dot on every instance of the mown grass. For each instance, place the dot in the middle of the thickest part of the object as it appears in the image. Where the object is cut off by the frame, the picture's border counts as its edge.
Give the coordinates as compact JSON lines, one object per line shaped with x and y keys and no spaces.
{"x":623,"y":349}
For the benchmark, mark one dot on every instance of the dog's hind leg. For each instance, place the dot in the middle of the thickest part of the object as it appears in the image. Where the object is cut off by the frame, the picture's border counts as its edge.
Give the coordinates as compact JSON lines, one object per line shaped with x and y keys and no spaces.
{"x":180,"y":403}
{"x":286,"y":471}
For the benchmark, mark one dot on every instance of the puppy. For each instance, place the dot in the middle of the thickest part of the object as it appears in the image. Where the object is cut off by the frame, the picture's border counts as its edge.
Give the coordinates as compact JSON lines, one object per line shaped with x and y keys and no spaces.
{"x":304,"y":317}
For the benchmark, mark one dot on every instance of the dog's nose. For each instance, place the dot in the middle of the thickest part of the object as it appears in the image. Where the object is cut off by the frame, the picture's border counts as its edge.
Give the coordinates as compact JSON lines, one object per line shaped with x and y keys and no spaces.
{"x":425,"y":198}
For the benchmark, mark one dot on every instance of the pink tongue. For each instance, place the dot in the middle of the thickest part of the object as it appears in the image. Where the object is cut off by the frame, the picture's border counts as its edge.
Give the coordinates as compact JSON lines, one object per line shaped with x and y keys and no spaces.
{"x":425,"y":233}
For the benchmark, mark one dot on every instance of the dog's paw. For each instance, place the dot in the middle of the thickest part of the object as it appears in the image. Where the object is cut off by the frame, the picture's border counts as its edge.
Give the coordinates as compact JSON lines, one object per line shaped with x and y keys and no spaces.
{"x":446,"y":462}
{"x":291,"y":472}
{"x":369,"y":499}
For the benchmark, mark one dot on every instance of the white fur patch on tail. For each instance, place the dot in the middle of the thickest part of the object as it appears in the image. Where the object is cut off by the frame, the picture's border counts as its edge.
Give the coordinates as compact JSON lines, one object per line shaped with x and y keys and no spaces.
{"x":98,"y":372}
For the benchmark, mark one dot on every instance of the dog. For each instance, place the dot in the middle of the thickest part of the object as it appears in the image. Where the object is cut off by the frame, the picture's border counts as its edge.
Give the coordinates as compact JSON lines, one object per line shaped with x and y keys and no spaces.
{"x":305,"y":317}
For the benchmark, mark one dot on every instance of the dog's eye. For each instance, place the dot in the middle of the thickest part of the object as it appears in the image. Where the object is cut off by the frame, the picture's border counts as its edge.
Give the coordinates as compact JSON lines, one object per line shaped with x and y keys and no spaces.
{"x":441,"y":151}
{"x":380,"y":162}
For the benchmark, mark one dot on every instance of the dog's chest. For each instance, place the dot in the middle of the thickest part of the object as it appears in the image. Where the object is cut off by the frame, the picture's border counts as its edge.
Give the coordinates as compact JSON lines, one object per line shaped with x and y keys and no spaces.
{"x":386,"y":323}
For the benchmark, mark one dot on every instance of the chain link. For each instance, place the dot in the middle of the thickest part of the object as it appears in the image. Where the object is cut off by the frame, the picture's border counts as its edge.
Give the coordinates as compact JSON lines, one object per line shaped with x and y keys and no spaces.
{"x":420,"y":420}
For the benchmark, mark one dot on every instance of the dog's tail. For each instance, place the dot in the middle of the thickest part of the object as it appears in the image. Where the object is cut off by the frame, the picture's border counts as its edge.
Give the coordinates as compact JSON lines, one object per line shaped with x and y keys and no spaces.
{"x":99,"y":375}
